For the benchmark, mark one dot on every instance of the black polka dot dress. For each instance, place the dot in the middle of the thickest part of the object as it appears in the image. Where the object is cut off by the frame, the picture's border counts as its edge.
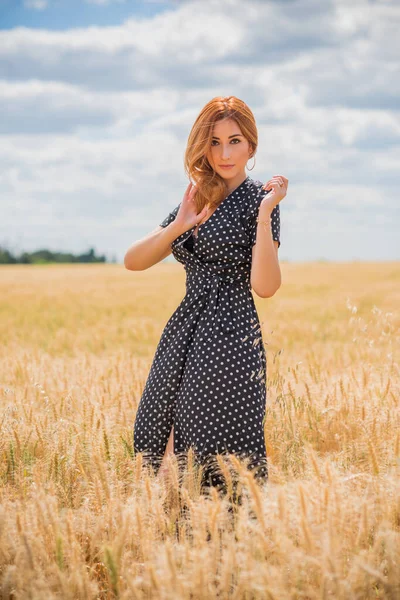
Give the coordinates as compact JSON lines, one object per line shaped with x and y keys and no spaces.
{"x":208,"y":376}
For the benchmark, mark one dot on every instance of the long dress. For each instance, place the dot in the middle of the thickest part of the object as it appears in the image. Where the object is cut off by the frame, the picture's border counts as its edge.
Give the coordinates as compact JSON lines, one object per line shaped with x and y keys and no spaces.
{"x":208,"y":375}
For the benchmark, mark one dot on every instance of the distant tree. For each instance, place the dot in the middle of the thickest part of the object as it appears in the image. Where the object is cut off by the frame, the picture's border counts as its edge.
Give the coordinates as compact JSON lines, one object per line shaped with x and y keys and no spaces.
{"x":44,"y":256}
{"x":6,"y":257}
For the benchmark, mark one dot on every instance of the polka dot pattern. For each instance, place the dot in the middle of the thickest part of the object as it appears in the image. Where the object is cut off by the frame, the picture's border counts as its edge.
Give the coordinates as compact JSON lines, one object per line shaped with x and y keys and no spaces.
{"x":208,"y":375}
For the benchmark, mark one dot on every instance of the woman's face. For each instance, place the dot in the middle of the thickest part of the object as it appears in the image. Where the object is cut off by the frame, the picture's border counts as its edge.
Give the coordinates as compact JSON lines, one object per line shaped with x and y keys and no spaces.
{"x":229,"y":147}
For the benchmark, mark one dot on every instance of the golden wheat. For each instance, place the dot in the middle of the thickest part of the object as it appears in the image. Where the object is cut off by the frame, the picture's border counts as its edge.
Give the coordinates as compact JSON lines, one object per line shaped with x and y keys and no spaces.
{"x":81,"y":517}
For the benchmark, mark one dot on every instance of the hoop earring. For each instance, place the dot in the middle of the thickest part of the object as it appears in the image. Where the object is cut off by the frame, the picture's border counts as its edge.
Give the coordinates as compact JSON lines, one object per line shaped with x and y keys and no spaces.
{"x":253,"y":165}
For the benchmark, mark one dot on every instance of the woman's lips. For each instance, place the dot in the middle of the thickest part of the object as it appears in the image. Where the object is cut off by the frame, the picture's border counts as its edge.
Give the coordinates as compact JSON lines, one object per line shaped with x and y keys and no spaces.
{"x":226,"y":166}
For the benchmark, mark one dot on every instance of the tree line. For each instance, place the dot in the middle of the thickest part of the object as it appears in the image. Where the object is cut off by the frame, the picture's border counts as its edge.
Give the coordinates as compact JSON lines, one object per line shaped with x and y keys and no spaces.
{"x":47,"y":256}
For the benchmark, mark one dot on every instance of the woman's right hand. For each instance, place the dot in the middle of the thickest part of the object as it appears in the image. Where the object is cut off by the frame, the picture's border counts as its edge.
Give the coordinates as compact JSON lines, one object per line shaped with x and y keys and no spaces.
{"x":187,"y":215}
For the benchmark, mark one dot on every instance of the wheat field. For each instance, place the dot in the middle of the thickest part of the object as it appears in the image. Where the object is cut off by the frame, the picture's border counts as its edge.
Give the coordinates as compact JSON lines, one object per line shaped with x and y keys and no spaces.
{"x":82,"y":518}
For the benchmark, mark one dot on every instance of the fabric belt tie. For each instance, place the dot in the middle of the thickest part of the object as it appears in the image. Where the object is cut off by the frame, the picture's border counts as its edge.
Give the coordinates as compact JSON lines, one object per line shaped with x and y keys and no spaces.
{"x":215,"y":297}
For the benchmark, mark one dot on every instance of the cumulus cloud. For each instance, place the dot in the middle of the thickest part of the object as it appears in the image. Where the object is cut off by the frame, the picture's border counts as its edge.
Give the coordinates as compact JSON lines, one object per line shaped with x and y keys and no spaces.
{"x":98,"y":118}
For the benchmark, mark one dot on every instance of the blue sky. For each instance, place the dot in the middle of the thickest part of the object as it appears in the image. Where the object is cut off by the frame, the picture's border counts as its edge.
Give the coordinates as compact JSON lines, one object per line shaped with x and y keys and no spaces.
{"x":98,"y":98}
{"x":65,"y":14}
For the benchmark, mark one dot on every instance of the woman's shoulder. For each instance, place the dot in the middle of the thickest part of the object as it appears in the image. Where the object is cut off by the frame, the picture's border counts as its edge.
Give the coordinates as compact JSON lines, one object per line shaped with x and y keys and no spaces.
{"x":254,"y":194}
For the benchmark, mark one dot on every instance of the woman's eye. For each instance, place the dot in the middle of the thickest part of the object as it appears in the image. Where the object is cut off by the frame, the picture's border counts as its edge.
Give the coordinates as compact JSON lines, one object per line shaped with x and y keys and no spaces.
{"x":233,"y":140}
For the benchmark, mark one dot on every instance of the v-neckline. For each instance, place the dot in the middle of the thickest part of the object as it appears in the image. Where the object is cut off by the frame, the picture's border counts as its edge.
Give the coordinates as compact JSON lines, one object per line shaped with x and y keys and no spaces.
{"x":218,"y":207}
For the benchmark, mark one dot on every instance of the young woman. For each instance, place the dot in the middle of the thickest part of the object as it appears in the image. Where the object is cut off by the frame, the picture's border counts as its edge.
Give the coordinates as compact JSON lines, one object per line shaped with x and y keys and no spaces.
{"x":206,"y":388}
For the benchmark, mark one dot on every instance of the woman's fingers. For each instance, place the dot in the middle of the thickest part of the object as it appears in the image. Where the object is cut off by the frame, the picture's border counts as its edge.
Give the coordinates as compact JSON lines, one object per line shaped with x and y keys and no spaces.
{"x":277,"y":180}
{"x":187,"y":191}
{"x":283,"y":180}
{"x":192,"y":192}
{"x":202,"y":214}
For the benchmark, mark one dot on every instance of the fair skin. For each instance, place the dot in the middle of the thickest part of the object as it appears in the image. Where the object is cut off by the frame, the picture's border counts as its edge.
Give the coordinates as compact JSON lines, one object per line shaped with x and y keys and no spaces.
{"x":228,"y":147}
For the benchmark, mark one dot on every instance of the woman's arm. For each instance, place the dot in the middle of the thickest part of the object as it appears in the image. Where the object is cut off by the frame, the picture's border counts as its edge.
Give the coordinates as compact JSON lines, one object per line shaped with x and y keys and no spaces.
{"x":156,"y":245}
{"x":265,"y":271}
{"x":265,"y":274}
{"x":153,"y":248}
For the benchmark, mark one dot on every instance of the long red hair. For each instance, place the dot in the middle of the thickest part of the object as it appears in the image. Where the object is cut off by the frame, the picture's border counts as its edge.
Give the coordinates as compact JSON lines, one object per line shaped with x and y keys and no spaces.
{"x":212,"y":188}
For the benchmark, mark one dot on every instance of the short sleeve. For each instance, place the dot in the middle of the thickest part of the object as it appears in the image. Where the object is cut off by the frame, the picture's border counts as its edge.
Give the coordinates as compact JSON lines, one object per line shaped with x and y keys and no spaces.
{"x":169,"y":218}
{"x":252,"y":223}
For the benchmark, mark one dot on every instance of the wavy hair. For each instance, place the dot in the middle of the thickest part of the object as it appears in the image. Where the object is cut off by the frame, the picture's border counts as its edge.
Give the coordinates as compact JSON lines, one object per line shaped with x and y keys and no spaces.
{"x":212,"y":188}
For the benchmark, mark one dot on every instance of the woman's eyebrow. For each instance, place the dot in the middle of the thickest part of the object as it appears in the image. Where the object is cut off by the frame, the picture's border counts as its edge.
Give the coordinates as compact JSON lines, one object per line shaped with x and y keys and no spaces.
{"x":234,"y":135}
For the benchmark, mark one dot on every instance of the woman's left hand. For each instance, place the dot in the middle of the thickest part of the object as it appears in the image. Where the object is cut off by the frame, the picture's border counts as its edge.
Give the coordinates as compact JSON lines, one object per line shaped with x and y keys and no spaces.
{"x":277,"y":188}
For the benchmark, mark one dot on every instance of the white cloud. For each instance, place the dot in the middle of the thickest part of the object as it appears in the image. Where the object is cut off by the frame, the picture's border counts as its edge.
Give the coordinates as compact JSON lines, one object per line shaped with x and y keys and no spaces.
{"x":36,"y":4}
{"x":98,"y":119}
{"x":35,"y":106}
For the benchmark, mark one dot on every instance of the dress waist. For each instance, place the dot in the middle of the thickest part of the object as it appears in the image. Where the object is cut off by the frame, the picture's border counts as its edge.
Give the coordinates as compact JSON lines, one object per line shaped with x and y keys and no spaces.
{"x":199,"y":276}
{"x":213,"y":293}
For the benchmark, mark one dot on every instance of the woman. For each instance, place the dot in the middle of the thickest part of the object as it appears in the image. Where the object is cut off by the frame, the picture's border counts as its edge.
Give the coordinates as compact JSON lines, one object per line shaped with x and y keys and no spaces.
{"x":206,"y":388}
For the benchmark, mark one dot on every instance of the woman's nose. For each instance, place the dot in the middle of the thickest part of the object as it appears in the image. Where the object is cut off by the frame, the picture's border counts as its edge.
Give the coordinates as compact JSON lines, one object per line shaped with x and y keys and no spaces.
{"x":225,"y":152}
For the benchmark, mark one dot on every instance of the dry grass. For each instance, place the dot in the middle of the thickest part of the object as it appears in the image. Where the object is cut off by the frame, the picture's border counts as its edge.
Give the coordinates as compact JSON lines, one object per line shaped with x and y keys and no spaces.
{"x":80,"y":517}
